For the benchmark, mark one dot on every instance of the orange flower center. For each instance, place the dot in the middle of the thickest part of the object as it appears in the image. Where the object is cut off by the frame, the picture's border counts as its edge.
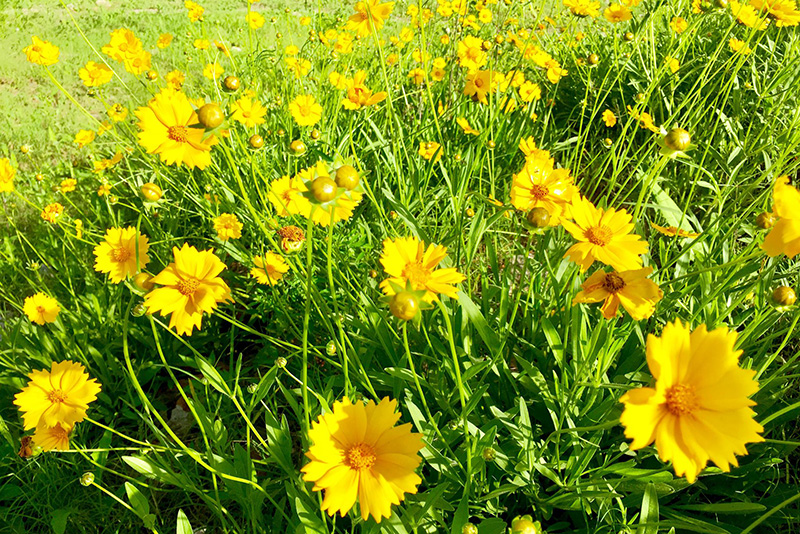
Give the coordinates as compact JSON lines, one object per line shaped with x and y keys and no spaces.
{"x":56,"y":396}
{"x":478,"y":82}
{"x":361,"y":456}
{"x":178,"y":133}
{"x":681,"y":400}
{"x":417,"y":273}
{"x":599,"y":235}
{"x":120,"y":255}
{"x":539,"y":191}
{"x":613,"y":283}
{"x":40,"y":310}
{"x":58,"y":432}
{"x":188,"y":287}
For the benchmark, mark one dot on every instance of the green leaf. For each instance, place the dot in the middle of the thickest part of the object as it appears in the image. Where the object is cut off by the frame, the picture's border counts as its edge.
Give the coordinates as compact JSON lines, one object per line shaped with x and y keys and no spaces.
{"x":211,"y":374}
{"x":725,"y":508}
{"x":489,"y":336}
{"x":58,"y":520}
{"x":184,"y":527}
{"x":462,"y":515}
{"x":493,"y":525}
{"x":648,"y":520}
{"x":138,"y":501}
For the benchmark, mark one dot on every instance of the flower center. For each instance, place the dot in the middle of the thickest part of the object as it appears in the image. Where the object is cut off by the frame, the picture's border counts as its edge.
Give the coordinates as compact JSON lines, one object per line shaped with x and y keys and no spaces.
{"x":478,"y":83}
{"x":417,"y":274}
{"x":360,"y":456}
{"x":613,"y":283}
{"x":40,"y":310}
{"x":681,"y":400}
{"x":120,"y":255}
{"x":187,"y":287}
{"x":178,"y":133}
{"x":56,"y":396}
{"x":599,"y":235}
{"x":539,"y":191}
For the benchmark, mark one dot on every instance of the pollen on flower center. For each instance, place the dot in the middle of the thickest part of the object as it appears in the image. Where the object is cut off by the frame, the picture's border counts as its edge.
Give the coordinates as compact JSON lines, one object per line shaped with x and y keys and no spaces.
{"x":120,"y":255}
{"x":613,"y":283}
{"x":360,"y":456}
{"x":187,"y":287}
{"x":681,"y":400}
{"x":599,"y":235}
{"x":416,"y":273}
{"x":56,"y":396}
{"x":178,"y":133}
{"x":40,"y":309}
{"x":539,"y":191}
{"x":478,"y":83}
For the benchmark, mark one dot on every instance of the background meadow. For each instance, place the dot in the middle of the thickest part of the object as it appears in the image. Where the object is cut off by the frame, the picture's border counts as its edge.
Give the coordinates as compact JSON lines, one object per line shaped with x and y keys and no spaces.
{"x":515,"y":390}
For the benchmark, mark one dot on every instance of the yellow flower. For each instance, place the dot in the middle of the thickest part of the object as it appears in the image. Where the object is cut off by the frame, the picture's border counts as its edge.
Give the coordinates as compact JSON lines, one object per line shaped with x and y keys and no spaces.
{"x":84,"y":137}
{"x":615,"y":13}
{"x":104,"y":190}
{"x":213,"y":71}
{"x":417,"y":75}
{"x":166,"y":125}
{"x":530,"y":91}
{"x":126,"y":48}
{"x":673,"y":231}
{"x":749,"y":16}
{"x":52,"y":212}
{"x":95,"y":74}
{"x":228,"y":226}
{"x":583,"y":8}
{"x":609,"y":118}
{"x":784,"y":237}
{"x":631,"y":289}
{"x":68,"y":185}
{"x":699,"y":409}
{"x":305,"y":110}
{"x":122,"y":254}
{"x":291,"y":50}
{"x":192,"y":286}
{"x":201,"y":44}
{"x":7,"y":172}
{"x":540,"y":185}
{"x":41,"y":52}
{"x":305,"y":21}
{"x":60,"y":395}
{"x":117,"y":112}
{"x":645,"y":120}
{"x":739,"y":46}
{"x":479,"y":84}
{"x":255,"y":19}
{"x":78,"y":228}
{"x":674,"y":64}
{"x":678,"y":24}
{"x":407,"y":260}
{"x":164,"y":40}
{"x":285,"y":194}
{"x":54,"y":438}
{"x":392,"y":59}
{"x":175,"y":80}
{"x":604,"y":236}
{"x":470,"y":53}
{"x":105,"y":164}
{"x":370,"y":16}
{"x":359,"y":454}
{"x":248,"y":112}
{"x":194,"y":11}
{"x":335,"y":203}
{"x":784,"y":12}
{"x":465,"y":126}
{"x":269,"y":268}
{"x":41,"y":309}
{"x":430,"y":149}
{"x":358,"y":94}
{"x":104,"y":127}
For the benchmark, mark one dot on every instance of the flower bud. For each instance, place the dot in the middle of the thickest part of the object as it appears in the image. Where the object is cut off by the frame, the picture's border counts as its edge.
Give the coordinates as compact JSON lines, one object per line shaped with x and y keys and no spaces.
{"x":678,"y":139}
{"x":210,"y":116}
{"x":404,"y":305}
{"x":765,"y":220}
{"x":784,"y":296}
{"x":151,"y":192}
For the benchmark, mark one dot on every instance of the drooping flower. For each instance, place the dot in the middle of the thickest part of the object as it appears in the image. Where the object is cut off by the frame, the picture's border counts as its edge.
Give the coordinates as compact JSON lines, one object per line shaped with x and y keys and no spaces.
{"x":784,"y":237}
{"x":466,"y":127}
{"x":53,"y":438}
{"x":122,"y":254}
{"x":52,"y":212}
{"x":604,"y":236}
{"x":370,"y":16}
{"x":95,"y":74}
{"x":673,"y":231}
{"x":41,"y":52}
{"x":358,"y":94}
{"x":305,"y":110}
{"x":167,"y":130}
{"x":269,"y":268}
{"x":406,"y":259}
{"x":60,"y":395}
{"x":248,"y":112}
{"x":359,"y":454}
{"x":631,"y":289}
{"x":285,"y":194}
{"x":699,"y":409}
{"x":41,"y":309}
{"x":540,"y":185}
{"x":191,"y":287}
{"x":7,"y":172}
{"x":228,"y":226}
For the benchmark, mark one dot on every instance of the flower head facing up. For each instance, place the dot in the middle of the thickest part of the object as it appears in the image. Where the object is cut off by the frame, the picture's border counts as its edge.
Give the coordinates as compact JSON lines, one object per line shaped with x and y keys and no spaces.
{"x":370,"y":16}
{"x":228,"y":226}
{"x":604,"y":236}
{"x":248,"y":112}
{"x":583,"y":8}
{"x":168,"y":129}
{"x":359,"y":454}
{"x":52,"y":438}
{"x":60,"y":395}
{"x":269,"y":268}
{"x":631,"y":289}
{"x":430,"y":150}
{"x":52,"y":212}
{"x":406,"y":259}
{"x":7,"y":173}
{"x":784,"y":237}
{"x":699,"y":409}
{"x":191,"y":287}
{"x":95,"y":74}
{"x":615,"y":13}
{"x":305,"y":110}
{"x":41,"y":52}
{"x":479,"y":84}
{"x":41,"y":309}
{"x":358,"y":94}
{"x":122,"y":254}
{"x":540,"y":185}
{"x":285,"y":195}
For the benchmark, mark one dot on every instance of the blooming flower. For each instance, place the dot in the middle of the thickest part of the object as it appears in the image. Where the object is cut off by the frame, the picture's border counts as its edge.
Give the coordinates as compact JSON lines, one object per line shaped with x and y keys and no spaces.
{"x":228,"y":226}
{"x":285,"y":195}
{"x":255,"y":19}
{"x":52,"y":212}
{"x":784,"y":237}
{"x":41,"y":309}
{"x":213,"y":71}
{"x":417,"y":75}
{"x":126,"y":48}
{"x":358,"y":94}
{"x":784,"y":12}
{"x":269,"y":268}
{"x":305,"y":110}
{"x":673,"y":231}
{"x":122,"y":253}
{"x":604,"y":236}
{"x":95,"y":74}
{"x":194,"y":11}
{"x":678,"y":24}
{"x":53,"y":438}
{"x":164,"y":40}
{"x":615,"y":13}
{"x":540,"y":185}
{"x":406,"y":259}
{"x":299,"y":66}
{"x":68,"y":185}
{"x":699,"y":409}
{"x":470,"y":53}
{"x":117,"y":112}
{"x":609,"y":118}
{"x":359,"y":454}
{"x":175,"y":79}
{"x":583,"y":8}
{"x":41,"y":52}
{"x":739,"y":46}
{"x":749,"y":16}
{"x":465,"y":126}
{"x":7,"y":172}
{"x":84,"y":137}
{"x":248,"y":111}
{"x":530,"y":91}
{"x":479,"y":84}
{"x":60,"y":395}
{"x":191,"y":287}
{"x":430,"y":149}
{"x":631,"y":289}
{"x":370,"y":16}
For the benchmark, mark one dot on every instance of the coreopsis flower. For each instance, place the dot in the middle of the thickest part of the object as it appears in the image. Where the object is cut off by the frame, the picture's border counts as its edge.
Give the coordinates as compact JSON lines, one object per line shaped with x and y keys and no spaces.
{"x":748,"y":15}
{"x":291,"y":50}
{"x":52,"y":212}
{"x":105,"y":164}
{"x":330,"y":199}
{"x":370,"y":16}
{"x":53,"y":438}
{"x":175,"y":80}
{"x":583,"y":8}
{"x":292,"y":238}
{"x":784,"y":236}
{"x":164,"y":40}
{"x":631,"y":289}
{"x":337,"y":80}
{"x":739,"y":46}
{"x":305,"y":21}
{"x":7,"y":173}
{"x":430,"y":150}
{"x":84,"y":137}
{"x":783,"y":12}
{"x":127,"y":49}
{"x":95,"y":74}
{"x":122,"y":254}
{"x":359,"y":454}
{"x":609,"y":118}
{"x":407,"y":260}
{"x":117,"y":113}
{"x":213,"y":71}
{"x":255,"y":19}
{"x":644,"y":119}
{"x":60,"y":395}
{"x":104,"y":127}
{"x":540,"y":185}
{"x":305,"y":110}
{"x":41,"y":309}
{"x":78,"y":228}
{"x":358,"y":94}
{"x":417,"y":75}
{"x":699,"y":409}
{"x":530,"y":91}
{"x":194,"y":11}
{"x":248,"y":111}
{"x":201,"y":44}
{"x":68,"y":185}
{"x":615,"y":13}
{"x":673,"y":231}
{"x":285,"y":194}
{"x":191,"y":286}
{"x":104,"y":190}
{"x":167,"y":130}
{"x":604,"y":236}
{"x":678,"y":24}
{"x":471,"y":53}
{"x":269,"y":268}
{"x":299,"y":66}
{"x":465,"y":126}
{"x":392,"y":59}
{"x":41,"y":52}
{"x":673,"y":64}
{"x":479,"y":84}
{"x":228,"y":226}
